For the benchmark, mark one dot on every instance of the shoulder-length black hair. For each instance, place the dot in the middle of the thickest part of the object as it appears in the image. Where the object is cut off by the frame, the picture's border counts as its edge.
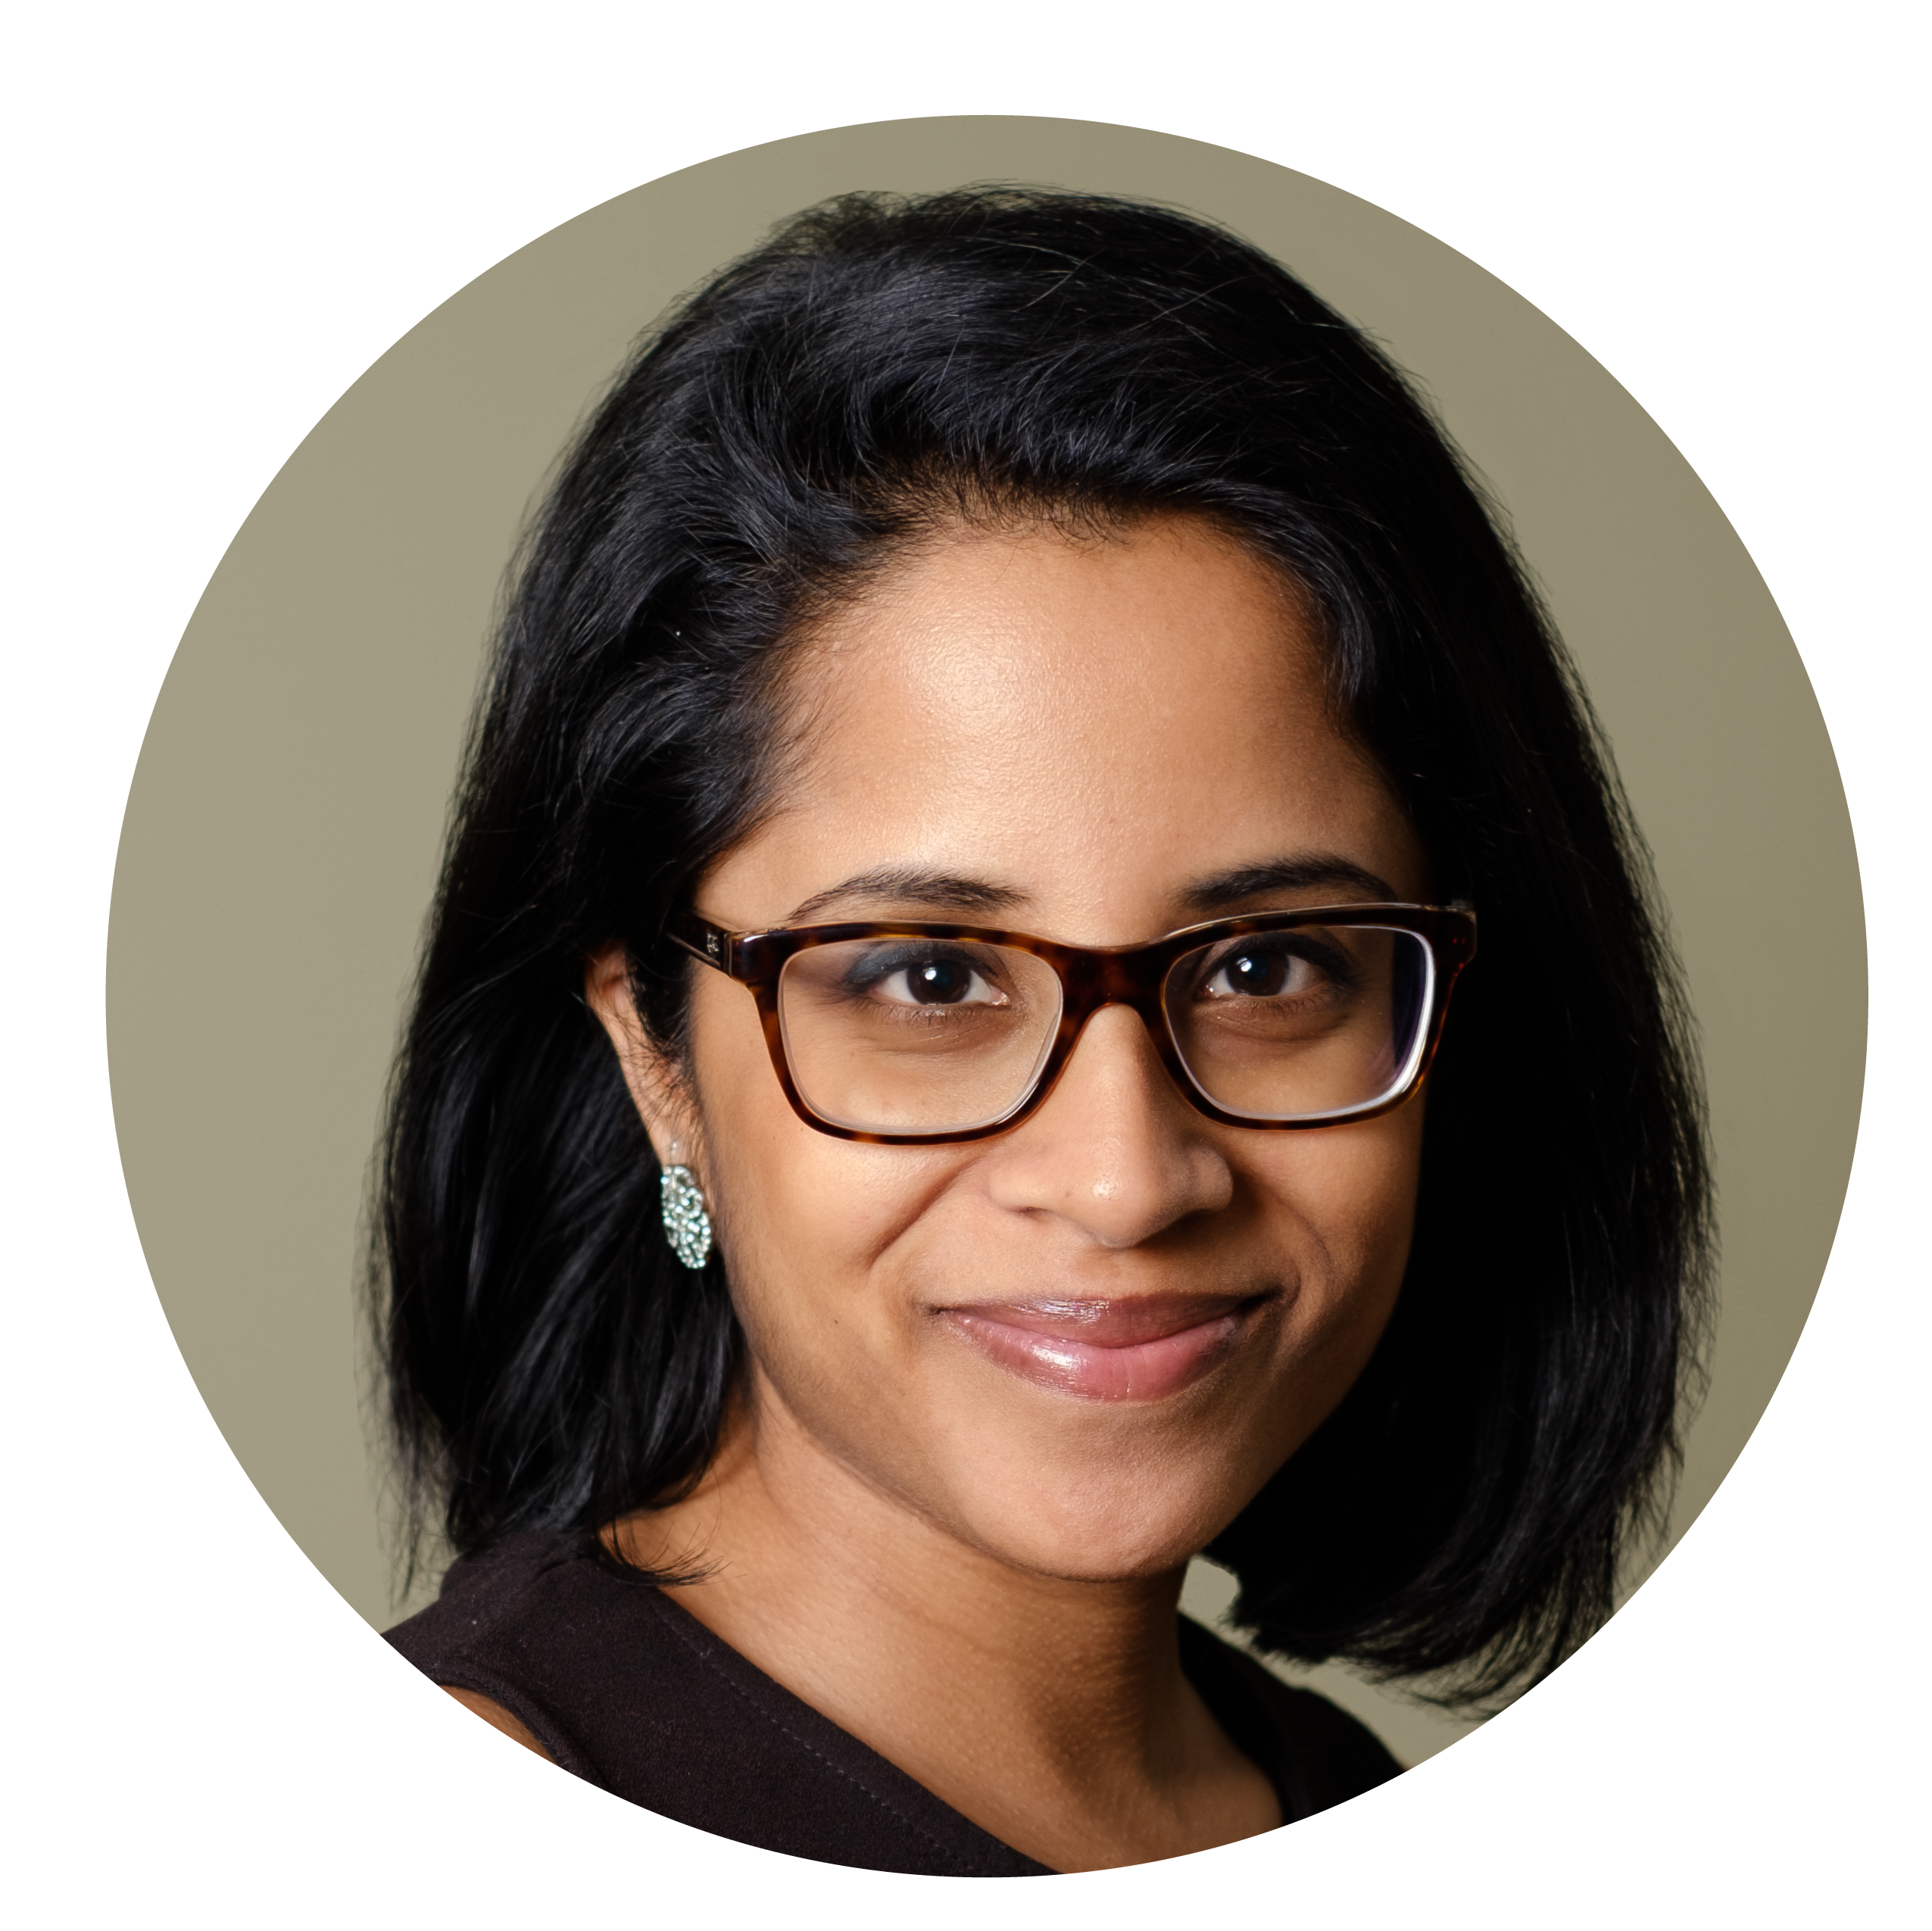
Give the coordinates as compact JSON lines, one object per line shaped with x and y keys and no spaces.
{"x":880,"y":363}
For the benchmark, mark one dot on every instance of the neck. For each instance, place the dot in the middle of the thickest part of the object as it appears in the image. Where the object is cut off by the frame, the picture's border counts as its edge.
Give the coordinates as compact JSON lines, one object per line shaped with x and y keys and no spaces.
{"x":1052,"y":1711}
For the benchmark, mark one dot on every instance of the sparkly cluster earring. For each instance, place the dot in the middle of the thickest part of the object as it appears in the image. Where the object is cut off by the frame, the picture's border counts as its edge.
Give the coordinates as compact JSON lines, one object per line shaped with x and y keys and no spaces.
{"x":687,"y":1225}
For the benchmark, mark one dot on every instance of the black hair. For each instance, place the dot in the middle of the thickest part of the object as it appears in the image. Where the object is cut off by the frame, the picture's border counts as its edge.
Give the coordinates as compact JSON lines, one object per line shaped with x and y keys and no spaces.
{"x":880,"y":363}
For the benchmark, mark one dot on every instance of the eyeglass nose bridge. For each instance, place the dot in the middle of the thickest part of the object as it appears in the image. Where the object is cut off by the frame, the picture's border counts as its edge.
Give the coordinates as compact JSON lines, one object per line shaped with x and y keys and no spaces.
{"x":1090,"y":981}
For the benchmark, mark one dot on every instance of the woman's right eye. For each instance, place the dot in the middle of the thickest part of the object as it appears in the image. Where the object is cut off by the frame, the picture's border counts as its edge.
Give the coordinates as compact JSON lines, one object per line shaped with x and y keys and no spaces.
{"x":934,"y":979}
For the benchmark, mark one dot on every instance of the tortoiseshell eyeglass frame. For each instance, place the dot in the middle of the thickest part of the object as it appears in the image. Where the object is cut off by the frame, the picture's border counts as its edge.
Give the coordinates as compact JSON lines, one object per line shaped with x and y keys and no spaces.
{"x":1090,"y":977}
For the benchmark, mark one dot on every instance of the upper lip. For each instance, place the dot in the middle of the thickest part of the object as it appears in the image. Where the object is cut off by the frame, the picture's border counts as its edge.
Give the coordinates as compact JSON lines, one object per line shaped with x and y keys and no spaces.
{"x":1107,"y":1321}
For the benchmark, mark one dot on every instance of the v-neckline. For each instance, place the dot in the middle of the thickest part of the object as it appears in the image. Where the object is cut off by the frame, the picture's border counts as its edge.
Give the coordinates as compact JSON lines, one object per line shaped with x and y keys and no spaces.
{"x":1207,"y":1663}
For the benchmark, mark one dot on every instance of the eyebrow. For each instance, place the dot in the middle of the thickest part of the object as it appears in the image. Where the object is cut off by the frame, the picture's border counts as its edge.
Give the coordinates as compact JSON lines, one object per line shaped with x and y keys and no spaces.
{"x":1321,"y":870}
{"x":913,"y":884}
{"x":947,"y":891}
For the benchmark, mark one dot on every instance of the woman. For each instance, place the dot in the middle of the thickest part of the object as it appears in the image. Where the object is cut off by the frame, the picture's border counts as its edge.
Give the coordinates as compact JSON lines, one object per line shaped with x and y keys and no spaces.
{"x":913,"y":1125}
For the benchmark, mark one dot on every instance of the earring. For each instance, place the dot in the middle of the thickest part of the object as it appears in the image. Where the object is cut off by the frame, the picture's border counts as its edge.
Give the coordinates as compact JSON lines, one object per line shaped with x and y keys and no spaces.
{"x":687,"y":1225}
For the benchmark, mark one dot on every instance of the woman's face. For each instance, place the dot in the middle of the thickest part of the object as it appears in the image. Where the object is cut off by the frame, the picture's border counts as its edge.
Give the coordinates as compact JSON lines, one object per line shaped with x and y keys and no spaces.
{"x":1080,"y":1346}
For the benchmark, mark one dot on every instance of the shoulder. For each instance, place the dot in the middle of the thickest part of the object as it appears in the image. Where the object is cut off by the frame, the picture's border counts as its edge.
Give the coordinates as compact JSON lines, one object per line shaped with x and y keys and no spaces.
{"x":515,"y":1632}
{"x":484,"y":1597}
{"x":1317,"y":1755}
{"x":498,"y":1717}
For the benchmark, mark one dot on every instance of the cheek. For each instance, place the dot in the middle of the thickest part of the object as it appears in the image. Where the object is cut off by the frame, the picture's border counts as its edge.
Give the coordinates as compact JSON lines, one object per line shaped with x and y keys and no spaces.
{"x":801,"y":1215}
{"x":1344,"y":1202}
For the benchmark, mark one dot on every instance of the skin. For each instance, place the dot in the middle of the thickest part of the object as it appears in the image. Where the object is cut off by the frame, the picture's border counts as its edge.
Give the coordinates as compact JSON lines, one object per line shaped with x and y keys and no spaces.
{"x":973,"y":1571}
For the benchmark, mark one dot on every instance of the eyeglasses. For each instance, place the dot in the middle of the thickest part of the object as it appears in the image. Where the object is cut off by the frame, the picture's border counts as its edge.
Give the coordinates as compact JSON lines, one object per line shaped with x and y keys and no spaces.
{"x":905,"y":1034}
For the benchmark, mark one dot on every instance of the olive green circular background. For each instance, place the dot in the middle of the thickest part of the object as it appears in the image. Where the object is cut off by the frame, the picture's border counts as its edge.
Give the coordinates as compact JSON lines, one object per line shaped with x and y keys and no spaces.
{"x":283,"y":828}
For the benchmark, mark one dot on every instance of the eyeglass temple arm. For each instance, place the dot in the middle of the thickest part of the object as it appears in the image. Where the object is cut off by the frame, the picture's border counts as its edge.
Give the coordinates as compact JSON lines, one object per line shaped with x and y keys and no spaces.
{"x":704,"y":940}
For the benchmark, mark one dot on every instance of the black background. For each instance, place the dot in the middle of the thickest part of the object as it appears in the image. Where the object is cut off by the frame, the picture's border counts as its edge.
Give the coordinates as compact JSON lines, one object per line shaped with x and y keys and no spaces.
{"x":1731,"y":1718}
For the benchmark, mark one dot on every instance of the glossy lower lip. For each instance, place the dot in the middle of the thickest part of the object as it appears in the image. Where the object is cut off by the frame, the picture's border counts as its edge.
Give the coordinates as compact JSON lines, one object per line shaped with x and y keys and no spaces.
{"x":1136,"y":1349}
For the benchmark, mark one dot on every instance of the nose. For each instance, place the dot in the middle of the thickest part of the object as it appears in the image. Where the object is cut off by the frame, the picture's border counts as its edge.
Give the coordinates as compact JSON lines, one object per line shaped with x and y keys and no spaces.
{"x":1114,"y":1150}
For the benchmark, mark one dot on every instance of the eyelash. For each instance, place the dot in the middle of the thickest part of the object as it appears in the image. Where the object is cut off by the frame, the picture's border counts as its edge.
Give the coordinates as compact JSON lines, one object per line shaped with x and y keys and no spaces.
{"x":1333,"y":964}
{"x":875,"y":971}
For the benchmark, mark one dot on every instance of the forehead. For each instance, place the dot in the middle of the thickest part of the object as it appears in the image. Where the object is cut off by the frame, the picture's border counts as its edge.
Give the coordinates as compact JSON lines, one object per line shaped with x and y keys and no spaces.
{"x":1090,"y":717}
{"x":1043,"y":638}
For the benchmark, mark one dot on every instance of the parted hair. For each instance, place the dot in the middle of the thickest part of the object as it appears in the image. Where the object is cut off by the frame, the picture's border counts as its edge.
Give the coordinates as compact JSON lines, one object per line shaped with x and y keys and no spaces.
{"x":879,"y":364}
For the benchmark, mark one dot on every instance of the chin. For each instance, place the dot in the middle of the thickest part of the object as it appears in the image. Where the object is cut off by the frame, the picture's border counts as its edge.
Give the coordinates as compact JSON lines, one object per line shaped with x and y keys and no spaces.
{"x":1104,"y":1528}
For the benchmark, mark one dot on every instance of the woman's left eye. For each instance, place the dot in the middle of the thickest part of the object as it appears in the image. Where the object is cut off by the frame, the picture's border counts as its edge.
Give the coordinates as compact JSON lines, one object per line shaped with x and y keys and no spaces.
{"x":1257,"y":973}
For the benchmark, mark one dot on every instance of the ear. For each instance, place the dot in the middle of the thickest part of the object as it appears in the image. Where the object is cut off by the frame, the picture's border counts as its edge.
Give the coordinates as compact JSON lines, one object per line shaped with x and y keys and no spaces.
{"x":660,"y":1093}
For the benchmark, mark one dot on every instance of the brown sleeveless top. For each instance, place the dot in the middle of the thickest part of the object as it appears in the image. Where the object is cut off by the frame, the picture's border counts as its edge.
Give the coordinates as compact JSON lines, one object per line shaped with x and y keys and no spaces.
{"x":625,"y":1688}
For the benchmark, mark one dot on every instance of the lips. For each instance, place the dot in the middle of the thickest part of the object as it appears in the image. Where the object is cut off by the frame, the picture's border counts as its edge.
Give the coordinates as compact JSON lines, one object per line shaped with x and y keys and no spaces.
{"x":1139,"y":1348}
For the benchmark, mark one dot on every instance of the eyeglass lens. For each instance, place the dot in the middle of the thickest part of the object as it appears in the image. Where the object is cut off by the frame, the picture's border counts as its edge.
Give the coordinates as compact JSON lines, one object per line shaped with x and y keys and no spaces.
{"x":923,"y":1035}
